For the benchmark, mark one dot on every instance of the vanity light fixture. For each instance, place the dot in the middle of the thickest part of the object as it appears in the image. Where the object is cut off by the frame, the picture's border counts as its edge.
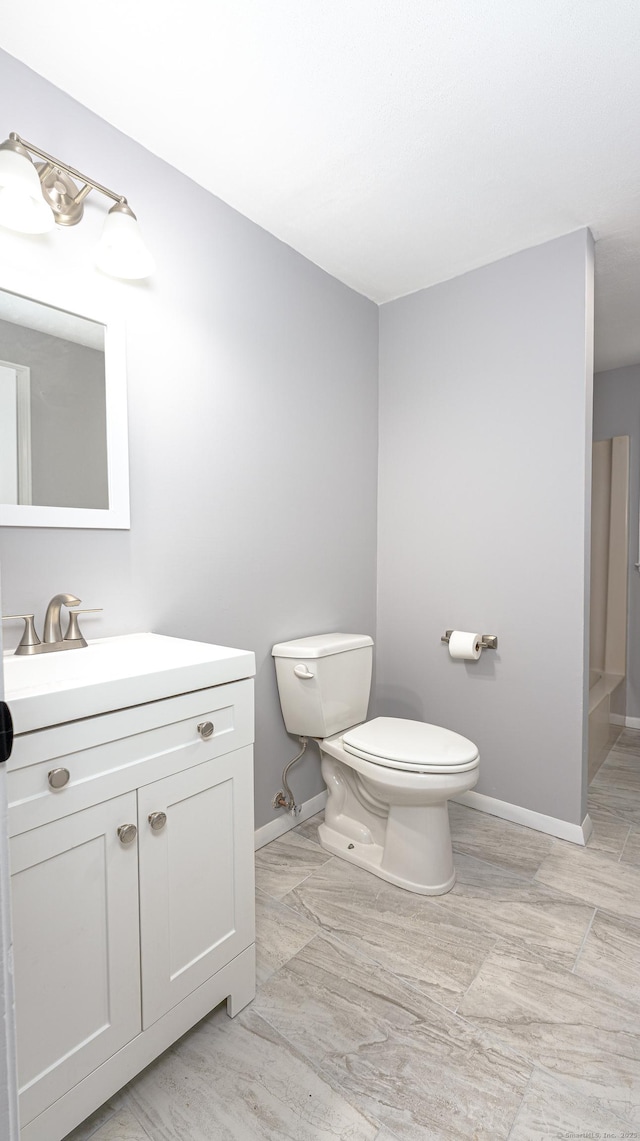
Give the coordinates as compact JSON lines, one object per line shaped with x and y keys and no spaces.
{"x":34,"y":196}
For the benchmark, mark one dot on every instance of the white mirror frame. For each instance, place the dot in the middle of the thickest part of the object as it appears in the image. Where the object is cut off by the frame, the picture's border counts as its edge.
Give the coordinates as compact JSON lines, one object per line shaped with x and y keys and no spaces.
{"x":64,"y":296}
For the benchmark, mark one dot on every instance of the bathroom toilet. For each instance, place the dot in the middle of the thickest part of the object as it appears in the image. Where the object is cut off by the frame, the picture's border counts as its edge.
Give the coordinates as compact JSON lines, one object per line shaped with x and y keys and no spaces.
{"x":388,"y":779}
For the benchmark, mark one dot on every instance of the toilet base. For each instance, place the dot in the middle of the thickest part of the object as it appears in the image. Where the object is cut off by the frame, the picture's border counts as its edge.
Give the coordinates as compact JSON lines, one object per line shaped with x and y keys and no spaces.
{"x":370,"y":857}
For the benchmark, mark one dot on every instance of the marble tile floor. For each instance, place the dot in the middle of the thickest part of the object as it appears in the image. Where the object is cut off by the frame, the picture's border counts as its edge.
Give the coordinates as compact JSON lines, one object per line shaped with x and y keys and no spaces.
{"x":509,"y":1008}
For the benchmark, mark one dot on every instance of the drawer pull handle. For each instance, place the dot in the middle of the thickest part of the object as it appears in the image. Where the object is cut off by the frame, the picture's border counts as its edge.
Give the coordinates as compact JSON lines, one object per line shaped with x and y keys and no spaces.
{"x":127,"y":833}
{"x":58,"y":778}
{"x":157,"y":820}
{"x":205,"y":729}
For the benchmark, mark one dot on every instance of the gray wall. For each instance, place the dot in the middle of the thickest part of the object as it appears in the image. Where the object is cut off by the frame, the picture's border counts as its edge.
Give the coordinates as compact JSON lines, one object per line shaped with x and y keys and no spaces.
{"x":68,"y":417}
{"x":252,"y":411}
{"x":253,"y":442}
{"x":616,"y":412}
{"x":484,"y":478}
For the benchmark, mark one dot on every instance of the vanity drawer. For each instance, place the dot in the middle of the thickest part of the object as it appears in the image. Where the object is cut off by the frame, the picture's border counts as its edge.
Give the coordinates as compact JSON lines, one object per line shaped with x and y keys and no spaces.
{"x":114,"y":753}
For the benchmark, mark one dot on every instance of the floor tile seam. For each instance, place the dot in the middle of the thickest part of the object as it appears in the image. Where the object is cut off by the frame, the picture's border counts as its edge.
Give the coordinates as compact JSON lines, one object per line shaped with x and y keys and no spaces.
{"x":288,"y":907}
{"x":569,"y":847}
{"x":628,"y":750}
{"x":468,"y":988}
{"x":493,"y":864}
{"x":292,"y":865}
{"x":387,"y":1132}
{"x":352,"y":1100}
{"x":290,"y":856}
{"x":564,"y":1085}
{"x":320,"y":867}
{"x":276,"y":970}
{"x":350,"y":1097}
{"x":602,"y":991}
{"x":614,"y":802}
{"x":618,"y":995}
{"x":261,"y":891}
{"x":400,"y":980}
{"x":498,"y":867}
{"x":493,"y":1041}
{"x":623,"y":917}
{"x":571,"y":1083}
{"x":611,"y":782}
{"x":522,"y":1101}
{"x":601,"y":907}
{"x":595,"y":790}
{"x":336,"y":1084}
{"x":130,"y":1104}
{"x":610,"y":785}
{"x":561,"y":897}
{"x":304,"y":879}
{"x":630,"y":823}
{"x":584,"y":940}
{"x":505,"y":1042}
{"x":318,"y":1068}
{"x":333,"y":1083}
{"x":626,"y":841}
{"x":474,"y":926}
{"x":614,"y":863}
{"x":512,"y":944}
{"x":99,"y":1124}
{"x":471,"y":926}
{"x":330,"y":933}
{"x":625,"y":801}
{"x":291,"y":832}
{"x":406,"y":985}
{"x":303,"y":836}
{"x":370,"y":961}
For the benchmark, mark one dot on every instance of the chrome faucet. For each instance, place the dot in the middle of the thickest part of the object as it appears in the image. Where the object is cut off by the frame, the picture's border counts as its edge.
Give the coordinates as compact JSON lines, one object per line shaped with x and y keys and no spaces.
{"x":53,"y":640}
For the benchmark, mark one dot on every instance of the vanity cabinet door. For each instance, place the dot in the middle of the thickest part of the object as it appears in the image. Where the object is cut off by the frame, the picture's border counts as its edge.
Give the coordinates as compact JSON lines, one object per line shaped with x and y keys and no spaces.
{"x":74,"y":893}
{"x":196,"y":877}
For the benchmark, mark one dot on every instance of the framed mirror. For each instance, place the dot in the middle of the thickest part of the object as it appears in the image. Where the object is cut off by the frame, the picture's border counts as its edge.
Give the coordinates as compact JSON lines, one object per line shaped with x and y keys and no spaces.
{"x":63,"y":410}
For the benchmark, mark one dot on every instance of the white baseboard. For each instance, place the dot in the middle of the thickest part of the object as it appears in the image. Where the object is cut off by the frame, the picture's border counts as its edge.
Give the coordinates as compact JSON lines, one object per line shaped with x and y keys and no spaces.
{"x":631,"y":722}
{"x":285,"y":822}
{"x":619,"y":719}
{"x":576,"y":833}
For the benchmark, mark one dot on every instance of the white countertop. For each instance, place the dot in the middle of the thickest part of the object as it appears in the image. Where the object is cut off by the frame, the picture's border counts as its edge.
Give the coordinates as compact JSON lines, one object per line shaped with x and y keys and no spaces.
{"x":113,"y":673}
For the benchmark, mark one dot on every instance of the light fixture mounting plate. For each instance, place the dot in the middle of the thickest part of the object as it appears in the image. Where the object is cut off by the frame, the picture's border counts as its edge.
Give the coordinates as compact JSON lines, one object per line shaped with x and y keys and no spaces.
{"x":59,"y":191}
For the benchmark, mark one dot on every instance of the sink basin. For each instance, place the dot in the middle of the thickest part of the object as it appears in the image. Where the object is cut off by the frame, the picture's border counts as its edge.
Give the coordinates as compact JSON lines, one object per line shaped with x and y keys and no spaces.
{"x":113,"y":673}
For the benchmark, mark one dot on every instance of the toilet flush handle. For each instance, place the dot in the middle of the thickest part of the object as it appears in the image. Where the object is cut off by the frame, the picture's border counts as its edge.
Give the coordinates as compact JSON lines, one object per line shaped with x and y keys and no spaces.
{"x":303,"y":672}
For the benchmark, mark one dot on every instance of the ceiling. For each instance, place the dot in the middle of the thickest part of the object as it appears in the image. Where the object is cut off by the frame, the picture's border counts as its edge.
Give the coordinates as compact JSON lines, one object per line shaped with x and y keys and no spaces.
{"x":395,"y":143}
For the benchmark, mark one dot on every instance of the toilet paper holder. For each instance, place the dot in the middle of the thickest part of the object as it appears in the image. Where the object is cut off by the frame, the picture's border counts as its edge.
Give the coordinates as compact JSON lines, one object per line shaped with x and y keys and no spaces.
{"x":489,"y":641}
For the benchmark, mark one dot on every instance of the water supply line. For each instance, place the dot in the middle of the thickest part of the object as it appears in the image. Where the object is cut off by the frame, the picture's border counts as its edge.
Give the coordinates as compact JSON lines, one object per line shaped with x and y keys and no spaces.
{"x":285,"y":799}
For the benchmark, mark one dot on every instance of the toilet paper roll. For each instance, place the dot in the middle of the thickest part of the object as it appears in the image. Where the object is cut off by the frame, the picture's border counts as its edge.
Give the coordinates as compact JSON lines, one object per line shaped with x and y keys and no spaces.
{"x":463,"y":644}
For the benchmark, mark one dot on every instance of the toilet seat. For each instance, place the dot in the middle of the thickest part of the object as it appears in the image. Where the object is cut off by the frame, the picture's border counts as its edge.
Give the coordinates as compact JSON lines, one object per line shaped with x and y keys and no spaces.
{"x":412,"y":746}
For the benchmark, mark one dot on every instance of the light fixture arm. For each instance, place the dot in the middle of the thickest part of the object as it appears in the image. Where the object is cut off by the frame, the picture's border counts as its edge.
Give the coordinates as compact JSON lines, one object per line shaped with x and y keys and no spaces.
{"x":53,"y":163}
{"x":36,"y":194}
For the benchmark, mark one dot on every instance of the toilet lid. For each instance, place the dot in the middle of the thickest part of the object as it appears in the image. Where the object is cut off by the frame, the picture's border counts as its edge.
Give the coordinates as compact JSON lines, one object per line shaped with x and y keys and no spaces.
{"x":399,"y":743}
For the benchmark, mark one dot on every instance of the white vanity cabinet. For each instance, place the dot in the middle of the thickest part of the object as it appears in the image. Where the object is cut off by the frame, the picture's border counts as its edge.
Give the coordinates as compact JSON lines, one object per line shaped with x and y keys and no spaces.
{"x":132,"y":880}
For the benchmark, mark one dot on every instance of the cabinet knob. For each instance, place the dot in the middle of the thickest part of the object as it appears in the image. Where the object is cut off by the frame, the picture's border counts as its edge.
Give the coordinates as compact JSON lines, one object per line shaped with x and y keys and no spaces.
{"x":58,"y":778}
{"x":127,"y":833}
{"x":157,"y":820}
{"x":205,"y":729}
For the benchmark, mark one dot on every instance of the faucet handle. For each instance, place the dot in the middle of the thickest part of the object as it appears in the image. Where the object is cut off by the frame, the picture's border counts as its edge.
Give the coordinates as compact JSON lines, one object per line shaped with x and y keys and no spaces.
{"x":29,"y":636}
{"x":74,"y":633}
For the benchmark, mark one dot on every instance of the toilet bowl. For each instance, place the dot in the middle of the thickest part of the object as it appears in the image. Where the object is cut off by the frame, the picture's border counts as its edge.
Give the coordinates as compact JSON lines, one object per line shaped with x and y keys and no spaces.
{"x":389,"y":779}
{"x":388,"y":784}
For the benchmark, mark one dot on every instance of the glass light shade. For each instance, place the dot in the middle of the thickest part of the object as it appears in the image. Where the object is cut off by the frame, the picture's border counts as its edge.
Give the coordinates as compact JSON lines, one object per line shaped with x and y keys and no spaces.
{"x":22,"y":206}
{"x":121,"y":251}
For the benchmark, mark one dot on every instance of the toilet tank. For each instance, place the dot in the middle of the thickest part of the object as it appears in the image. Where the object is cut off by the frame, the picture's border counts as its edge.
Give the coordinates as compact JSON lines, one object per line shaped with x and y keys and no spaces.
{"x":324,"y":682}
